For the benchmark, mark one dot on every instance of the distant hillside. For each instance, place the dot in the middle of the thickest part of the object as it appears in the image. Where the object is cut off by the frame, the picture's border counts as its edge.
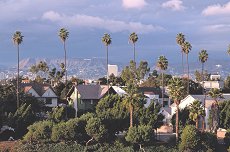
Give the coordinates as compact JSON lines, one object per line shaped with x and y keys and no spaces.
{"x":92,"y":68}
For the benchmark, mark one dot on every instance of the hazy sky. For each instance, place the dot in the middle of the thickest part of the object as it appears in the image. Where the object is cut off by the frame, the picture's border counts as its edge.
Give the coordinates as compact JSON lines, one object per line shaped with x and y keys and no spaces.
{"x":205,"y":23}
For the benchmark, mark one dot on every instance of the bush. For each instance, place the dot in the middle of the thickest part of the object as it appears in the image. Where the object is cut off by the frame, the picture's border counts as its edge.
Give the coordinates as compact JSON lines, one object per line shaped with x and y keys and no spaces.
{"x":209,"y":141}
{"x":96,"y":129}
{"x":72,"y":130}
{"x":227,"y":138}
{"x":58,"y":114}
{"x":39,"y":131}
{"x":190,"y":139}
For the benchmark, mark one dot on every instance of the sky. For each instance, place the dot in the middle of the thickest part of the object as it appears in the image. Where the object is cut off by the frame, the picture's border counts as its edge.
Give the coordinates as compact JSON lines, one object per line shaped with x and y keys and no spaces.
{"x":205,"y":24}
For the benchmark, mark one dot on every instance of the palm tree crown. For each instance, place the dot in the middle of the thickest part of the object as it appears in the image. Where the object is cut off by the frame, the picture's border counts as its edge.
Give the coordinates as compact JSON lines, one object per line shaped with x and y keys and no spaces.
{"x":17,"y":38}
{"x":186,"y":47}
{"x":180,"y":39}
{"x":196,"y":110}
{"x":203,"y":56}
{"x":106,"y":39}
{"x":162,"y":63}
{"x":63,"y":34}
{"x":215,"y":94}
{"x":176,"y":89}
{"x":133,"y":38}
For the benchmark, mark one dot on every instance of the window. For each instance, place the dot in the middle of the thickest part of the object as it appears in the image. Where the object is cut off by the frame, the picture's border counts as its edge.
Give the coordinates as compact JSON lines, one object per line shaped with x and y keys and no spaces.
{"x":91,"y":101}
{"x":81,"y":102}
{"x":48,"y":100}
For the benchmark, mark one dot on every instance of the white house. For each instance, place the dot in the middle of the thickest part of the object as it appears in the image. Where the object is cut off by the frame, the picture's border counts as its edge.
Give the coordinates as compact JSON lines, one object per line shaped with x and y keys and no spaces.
{"x":42,"y":92}
{"x":187,"y":101}
{"x":214,"y":82}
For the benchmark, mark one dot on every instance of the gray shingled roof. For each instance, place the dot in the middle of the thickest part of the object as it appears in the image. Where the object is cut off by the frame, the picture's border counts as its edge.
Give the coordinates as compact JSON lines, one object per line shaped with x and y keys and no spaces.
{"x":89,"y":91}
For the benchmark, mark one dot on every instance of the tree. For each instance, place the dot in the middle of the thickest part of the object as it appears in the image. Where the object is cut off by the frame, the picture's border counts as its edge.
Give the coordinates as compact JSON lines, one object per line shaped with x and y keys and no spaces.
{"x":196,"y":111}
{"x":198,"y":76}
{"x":55,"y":75}
{"x":140,"y":135}
{"x":216,"y":95}
{"x":186,"y":47}
{"x":190,"y":139}
{"x":106,"y":39}
{"x":17,"y":39}
{"x":64,"y":34}
{"x":225,"y":114}
{"x":96,"y":130}
{"x":133,"y":39}
{"x":162,"y":64}
{"x":180,"y":39}
{"x":203,"y":57}
{"x":176,"y":93}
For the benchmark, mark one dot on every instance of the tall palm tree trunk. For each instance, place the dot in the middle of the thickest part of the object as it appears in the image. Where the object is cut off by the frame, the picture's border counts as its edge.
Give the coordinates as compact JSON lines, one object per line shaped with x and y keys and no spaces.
{"x":182,"y":59}
{"x":134,"y":53}
{"x":177,"y":122}
{"x":203,"y":119}
{"x":65,"y":66}
{"x":18,"y":78}
{"x":107,"y":63}
{"x":162,"y":93}
{"x":131,"y":114}
{"x":187,"y":73}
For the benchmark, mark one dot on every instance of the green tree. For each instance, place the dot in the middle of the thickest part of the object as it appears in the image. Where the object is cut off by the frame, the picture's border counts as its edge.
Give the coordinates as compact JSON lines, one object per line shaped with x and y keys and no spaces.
{"x":96,"y":130}
{"x":140,"y":135}
{"x":225,"y":114}
{"x":64,"y":34}
{"x":57,"y":114}
{"x":180,"y":39}
{"x":133,"y":39}
{"x":162,"y":64}
{"x":17,"y":40}
{"x":186,"y":47}
{"x":40,"y":131}
{"x":196,"y":111}
{"x":190,"y":139}
{"x":55,"y":75}
{"x":176,"y":93}
{"x":216,"y":95}
{"x":106,"y":39}
{"x":113,"y":114}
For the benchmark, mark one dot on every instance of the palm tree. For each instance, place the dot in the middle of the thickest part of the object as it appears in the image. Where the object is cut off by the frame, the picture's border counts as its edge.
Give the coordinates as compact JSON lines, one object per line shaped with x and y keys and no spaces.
{"x":106,"y":39}
{"x":176,"y":93}
{"x":228,"y":51}
{"x":203,"y":57}
{"x":216,"y":95}
{"x":196,"y":110}
{"x":17,"y":40}
{"x":186,"y":47}
{"x":64,"y":34}
{"x":180,"y":39}
{"x":133,"y":39}
{"x":162,"y":64}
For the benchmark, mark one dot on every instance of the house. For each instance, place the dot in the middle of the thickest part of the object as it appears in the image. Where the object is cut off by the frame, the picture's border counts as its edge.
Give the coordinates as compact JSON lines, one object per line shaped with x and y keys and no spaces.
{"x":42,"y":92}
{"x":187,"y":101}
{"x":85,"y":97}
{"x":155,"y":95}
{"x":214,"y":82}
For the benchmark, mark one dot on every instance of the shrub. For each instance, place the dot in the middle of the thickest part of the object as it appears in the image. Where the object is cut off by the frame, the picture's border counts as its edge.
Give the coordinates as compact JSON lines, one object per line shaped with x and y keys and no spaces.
{"x":140,"y":135}
{"x":209,"y":141}
{"x":227,"y":138}
{"x":72,"y":130}
{"x":58,"y":114}
{"x":39,"y":131}
{"x":190,"y":139}
{"x":96,"y":129}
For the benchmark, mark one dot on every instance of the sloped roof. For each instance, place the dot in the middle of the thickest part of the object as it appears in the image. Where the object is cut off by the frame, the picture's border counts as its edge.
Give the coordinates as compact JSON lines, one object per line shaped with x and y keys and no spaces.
{"x":152,"y":90}
{"x":40,"y":88}
{"x":92,"y":91}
